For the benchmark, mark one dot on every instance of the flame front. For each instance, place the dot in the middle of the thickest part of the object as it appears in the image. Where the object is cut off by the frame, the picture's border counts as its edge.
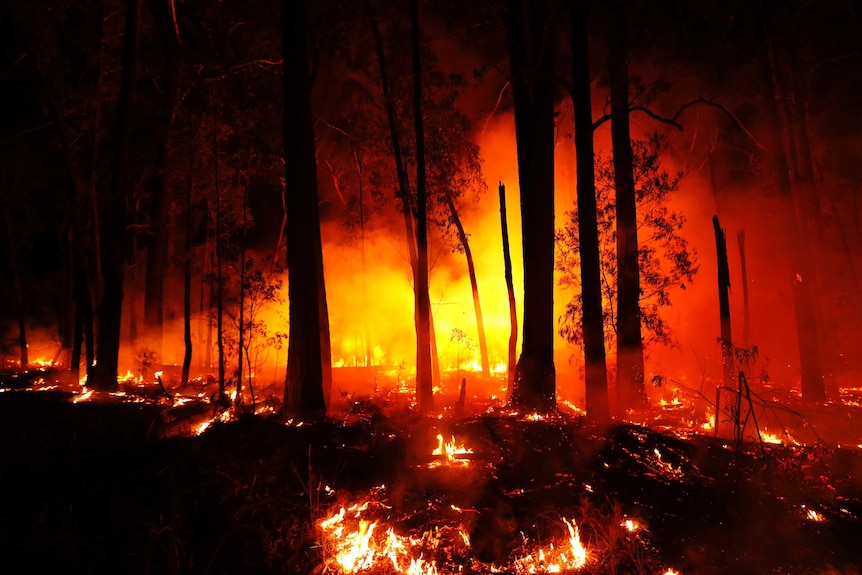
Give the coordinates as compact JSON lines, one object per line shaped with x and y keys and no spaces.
{"x":354,"y":544}
{"x":570,"y":555}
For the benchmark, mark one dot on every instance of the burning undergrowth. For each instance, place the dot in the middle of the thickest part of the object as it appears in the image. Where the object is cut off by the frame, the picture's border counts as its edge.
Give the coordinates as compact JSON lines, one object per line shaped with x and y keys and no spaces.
{"x":376,"y":489}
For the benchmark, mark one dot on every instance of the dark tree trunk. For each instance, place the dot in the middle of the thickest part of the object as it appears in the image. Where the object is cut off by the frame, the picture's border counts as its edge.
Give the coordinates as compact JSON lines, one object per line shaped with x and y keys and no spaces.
{"x":157,"y":239}
{"x":242,"y":295}
{"x":219,"y":279}
{"x":811,"y":371}
{"x":19,"y":293}
{"x":113,"y":218}
{"x":424,"y":382}
{"x":630,"y":352}
{"x":595,"y":363}
{"x":527,"y":24}
{"x":403,"y":191}
{"x":474,"y":287}
{"x":746,"y":310}
{"x":304,"y":382}
{"x":726,"y":338}
{"x":187,"y":267}
{"x":510,"y":289}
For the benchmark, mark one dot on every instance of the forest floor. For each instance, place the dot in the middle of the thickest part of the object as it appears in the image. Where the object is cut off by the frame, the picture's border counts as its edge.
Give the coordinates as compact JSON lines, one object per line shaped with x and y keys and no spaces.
{"x":109,"y":486}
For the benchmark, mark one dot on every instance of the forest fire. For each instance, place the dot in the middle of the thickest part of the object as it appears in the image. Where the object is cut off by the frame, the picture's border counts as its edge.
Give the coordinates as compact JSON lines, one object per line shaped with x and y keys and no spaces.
{"x":430,"y":288}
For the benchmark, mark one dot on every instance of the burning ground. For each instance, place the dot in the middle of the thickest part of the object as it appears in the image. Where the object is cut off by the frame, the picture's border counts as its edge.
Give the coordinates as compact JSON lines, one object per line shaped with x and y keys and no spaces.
{"x":122,"y":484}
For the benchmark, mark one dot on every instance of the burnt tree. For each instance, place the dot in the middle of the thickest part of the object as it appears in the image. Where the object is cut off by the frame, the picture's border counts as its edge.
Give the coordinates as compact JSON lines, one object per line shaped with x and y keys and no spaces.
{"x":306,"y":353}
{"x":595,"y":365}
{"x":527,"y":24}
{"x":113,"y":216}
{"x":798,"y":251}
{"x":630,"y":351}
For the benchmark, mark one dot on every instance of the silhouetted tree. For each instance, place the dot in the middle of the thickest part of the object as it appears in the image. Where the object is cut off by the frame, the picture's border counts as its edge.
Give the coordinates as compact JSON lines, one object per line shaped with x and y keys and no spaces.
{"x":307,"y":354}
{"x":527,"y":26}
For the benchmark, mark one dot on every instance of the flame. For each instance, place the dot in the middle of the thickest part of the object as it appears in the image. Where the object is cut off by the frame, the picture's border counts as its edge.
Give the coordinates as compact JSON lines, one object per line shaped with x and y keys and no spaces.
{"x":567,"y":556}
{"x":671,"y":572}
{"x":813,"y":515}
{"x":84,"y":395}
{"x":451,"y":453}
{"x":631,"y":525}
{"x":354,"y":544}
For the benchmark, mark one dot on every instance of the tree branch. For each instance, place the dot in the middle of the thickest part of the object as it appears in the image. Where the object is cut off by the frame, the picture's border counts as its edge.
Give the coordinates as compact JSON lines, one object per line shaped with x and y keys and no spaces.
{"x":673,"y":120}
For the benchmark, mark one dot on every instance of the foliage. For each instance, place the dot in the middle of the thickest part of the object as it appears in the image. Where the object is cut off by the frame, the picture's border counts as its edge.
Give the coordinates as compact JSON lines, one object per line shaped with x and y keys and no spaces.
{"x":261,"y":289}
{"x":666,"y":261}
{"x":145,"y":358}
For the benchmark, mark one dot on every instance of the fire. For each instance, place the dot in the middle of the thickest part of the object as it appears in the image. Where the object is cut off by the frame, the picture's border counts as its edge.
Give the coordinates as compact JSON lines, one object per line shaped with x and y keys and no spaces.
{"x":354,"y":544}
{"x":451,"y":453}
{"x":666,"y":465}
{"x":83,"y":396}
{"x":671,"y":572}
{"x":631,"y":525}
{"x":813,"y":515}
{"x":568,"y":556}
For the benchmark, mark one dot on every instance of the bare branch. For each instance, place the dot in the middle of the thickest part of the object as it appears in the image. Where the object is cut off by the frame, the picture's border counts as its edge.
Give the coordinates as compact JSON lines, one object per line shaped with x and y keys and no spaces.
{"x":673,"y":121}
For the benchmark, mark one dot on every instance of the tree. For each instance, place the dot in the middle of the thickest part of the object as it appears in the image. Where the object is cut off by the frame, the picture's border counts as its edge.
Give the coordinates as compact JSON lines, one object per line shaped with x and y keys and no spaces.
{"x":424,"y":384}
{"x":527,"y":24}
{"x":666,"y":262}
{"x":592,"y":325}
{"x":797,"y":251}
{"x":630,"y":352}
{"x":113,"y":217}
{"x":307,"y":354}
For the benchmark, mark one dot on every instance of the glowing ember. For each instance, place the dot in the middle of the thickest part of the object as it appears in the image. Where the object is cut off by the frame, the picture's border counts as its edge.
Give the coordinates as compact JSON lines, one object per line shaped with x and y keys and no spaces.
{"x":534,"y":417}
{"x":83,"y":396}
{"x":813,"y":515}
{"x":568,"y":556}
{"x":450,"y":453}
{"x":631,"y":525}
{"x":666,"y":465}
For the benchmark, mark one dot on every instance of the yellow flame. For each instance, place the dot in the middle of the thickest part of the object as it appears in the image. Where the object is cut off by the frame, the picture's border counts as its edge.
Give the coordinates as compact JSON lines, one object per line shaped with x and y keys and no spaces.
{"x":569,"y":555}
{"x":451,"y":452}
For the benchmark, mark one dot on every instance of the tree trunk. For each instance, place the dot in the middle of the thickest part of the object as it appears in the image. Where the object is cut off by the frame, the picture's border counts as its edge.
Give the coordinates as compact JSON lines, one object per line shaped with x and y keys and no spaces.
{"x":510,"y":289}
{"x":726,"y":338}
{"x":474,"y":287}
{"x":595,"y":363}
{"x":113,"y":218}
{"x":16,"y":281}
{"x":187,"y":267}
{"x":630,"y":352}
{"x":424,"y":382}
{"x":811,"y":371}
{"x":219,"y":279}
{"x":157,"y":239}
{"x":527,"y":25}
{"x":746,"y":310}
{"x":241,"y":335}
{"x":403,"y":192}
{"x":303,"y":389}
